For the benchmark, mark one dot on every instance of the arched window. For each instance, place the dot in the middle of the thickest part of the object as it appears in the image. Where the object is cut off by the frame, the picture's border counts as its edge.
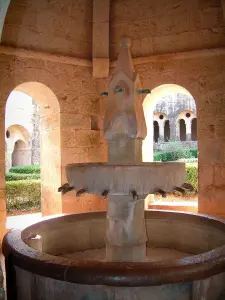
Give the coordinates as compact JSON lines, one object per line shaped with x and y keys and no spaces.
{"x":182,"y":130}
{"x":156,"y":131}
{"x":194,"y":130}
{"x":167,"y":131}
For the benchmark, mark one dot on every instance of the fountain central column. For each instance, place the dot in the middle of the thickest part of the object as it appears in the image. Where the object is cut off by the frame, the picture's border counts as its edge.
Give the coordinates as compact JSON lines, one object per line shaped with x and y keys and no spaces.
{"x":125,"y":128}
{"x":126,"y":234}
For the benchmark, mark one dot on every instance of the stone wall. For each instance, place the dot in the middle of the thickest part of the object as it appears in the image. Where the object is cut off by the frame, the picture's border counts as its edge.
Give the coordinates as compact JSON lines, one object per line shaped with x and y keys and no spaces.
{"x":50,"y":26}
{"x":74,"y":141}
{"x":158,"y":27}
{"x":175,"y":103}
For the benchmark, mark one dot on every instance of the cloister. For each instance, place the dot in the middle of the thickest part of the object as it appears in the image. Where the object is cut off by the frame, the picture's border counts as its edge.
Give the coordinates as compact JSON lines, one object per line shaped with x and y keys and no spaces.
{"x":62,"y":55}
{"x":64,"y":68}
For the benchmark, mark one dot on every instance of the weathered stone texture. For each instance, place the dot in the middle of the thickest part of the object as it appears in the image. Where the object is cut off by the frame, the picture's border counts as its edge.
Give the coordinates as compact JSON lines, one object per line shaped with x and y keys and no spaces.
{"x":166,"y":26}
{"x":58,"y":27}
{"x":71,"y":118}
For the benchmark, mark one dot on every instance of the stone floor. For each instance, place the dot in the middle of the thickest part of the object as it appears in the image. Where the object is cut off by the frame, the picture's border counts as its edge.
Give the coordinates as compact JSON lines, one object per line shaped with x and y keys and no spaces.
{"x":22,"y":221}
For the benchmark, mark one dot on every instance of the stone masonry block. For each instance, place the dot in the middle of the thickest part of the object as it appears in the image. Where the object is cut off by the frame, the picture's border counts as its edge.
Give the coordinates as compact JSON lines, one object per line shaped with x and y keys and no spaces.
{"x":206,"y":175}
{"x":211,"y":151}
{"x":220,"y":128}
{"x":220,"y":175}
{"x":75,"y":121}
{"x":80,"y":138}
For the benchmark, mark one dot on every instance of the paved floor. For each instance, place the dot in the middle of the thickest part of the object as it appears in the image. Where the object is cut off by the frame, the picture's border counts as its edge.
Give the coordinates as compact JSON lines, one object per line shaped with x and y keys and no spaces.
{"x":22,"y":221}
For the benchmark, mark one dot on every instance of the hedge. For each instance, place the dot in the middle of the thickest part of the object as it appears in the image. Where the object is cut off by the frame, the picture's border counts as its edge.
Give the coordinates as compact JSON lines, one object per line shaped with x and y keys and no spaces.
{"x":18,"y":176}
{"x":23,"y":195}
{"x":192,"y":175}
{"x":175,"y":154}
{"x":32,"y":169}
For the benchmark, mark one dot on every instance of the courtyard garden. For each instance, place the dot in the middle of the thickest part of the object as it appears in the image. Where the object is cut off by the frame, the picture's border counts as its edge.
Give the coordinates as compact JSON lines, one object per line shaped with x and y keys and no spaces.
{"x":23,"y":189}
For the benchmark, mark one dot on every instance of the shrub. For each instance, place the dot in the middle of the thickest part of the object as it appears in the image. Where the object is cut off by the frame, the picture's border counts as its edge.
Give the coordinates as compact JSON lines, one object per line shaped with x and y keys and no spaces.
{"x":192,"y":175}
{"x":175,"y":154}
{"x":23,"y":195}
{"x":18,"y":176}
{"x":26,"y":169}
{"x":194,"y":153}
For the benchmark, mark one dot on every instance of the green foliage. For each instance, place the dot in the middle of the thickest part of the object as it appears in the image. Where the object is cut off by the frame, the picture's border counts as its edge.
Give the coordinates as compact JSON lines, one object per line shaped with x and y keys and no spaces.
{"x":23,"y":195}
{"x":32,"y":169}
{"x":192,"y":175}
{"x":175,"y":155}
{"x":194,"y":153}
{"x":17,"y":176}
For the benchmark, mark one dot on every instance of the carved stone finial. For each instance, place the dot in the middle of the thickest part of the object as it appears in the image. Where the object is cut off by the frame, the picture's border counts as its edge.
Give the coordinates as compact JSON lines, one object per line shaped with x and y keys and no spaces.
{"x":124,"y":124}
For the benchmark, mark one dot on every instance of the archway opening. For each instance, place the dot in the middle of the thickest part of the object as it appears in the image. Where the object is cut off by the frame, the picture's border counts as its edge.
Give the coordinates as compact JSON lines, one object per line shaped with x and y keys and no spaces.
{"x":37,"y":146}
{"x":156,"y":131}
{"x":167,"y":131}
{"x":174,"y":109}
{"x":182,"y":130}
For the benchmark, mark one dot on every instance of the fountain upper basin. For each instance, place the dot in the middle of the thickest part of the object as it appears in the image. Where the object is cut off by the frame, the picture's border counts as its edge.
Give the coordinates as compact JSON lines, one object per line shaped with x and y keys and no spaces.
{"x":120,"y":179}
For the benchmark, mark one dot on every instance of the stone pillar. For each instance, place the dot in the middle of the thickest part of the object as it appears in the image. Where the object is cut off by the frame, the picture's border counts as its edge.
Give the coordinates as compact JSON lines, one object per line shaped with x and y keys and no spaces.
{"x":2,"y":179}
{"x":178,"y":130}
{"x":188,"y":129}
{"x":9,"y":159}
{"x":100,"y":38}
{"x":161,"y":130}
{"x":173,"y":130}
{"x":126,"y":233}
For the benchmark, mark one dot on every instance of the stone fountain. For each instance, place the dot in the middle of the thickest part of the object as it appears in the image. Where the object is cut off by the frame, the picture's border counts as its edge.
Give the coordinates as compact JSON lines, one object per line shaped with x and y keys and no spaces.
{"x":125,"y":179}
{"x":125,"y":253}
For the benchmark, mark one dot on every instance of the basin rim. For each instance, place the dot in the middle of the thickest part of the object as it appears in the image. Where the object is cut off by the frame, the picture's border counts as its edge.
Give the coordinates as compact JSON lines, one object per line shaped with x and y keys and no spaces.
{"x":187,"y":269}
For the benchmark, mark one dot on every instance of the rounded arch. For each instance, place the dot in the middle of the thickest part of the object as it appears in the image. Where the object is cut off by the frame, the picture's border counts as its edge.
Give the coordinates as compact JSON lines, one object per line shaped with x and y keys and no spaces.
{"x":160,"y":117}
{"x":149,"y":104}
{"x":186,"y":115}
{"x":41,"y":93}
{"x":50,"y":140}
{"x":184,"y":125}
{"x":18,"y":132}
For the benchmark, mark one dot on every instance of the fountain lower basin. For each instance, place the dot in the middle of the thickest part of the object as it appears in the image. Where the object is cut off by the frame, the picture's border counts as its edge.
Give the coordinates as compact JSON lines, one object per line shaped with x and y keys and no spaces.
{"x":37,"y":268}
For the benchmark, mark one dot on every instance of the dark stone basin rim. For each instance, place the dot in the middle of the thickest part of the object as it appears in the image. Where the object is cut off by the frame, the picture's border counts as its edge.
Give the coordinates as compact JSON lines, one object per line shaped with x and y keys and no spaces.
{"x":116,"y":274}
{"x":132,"y":166}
